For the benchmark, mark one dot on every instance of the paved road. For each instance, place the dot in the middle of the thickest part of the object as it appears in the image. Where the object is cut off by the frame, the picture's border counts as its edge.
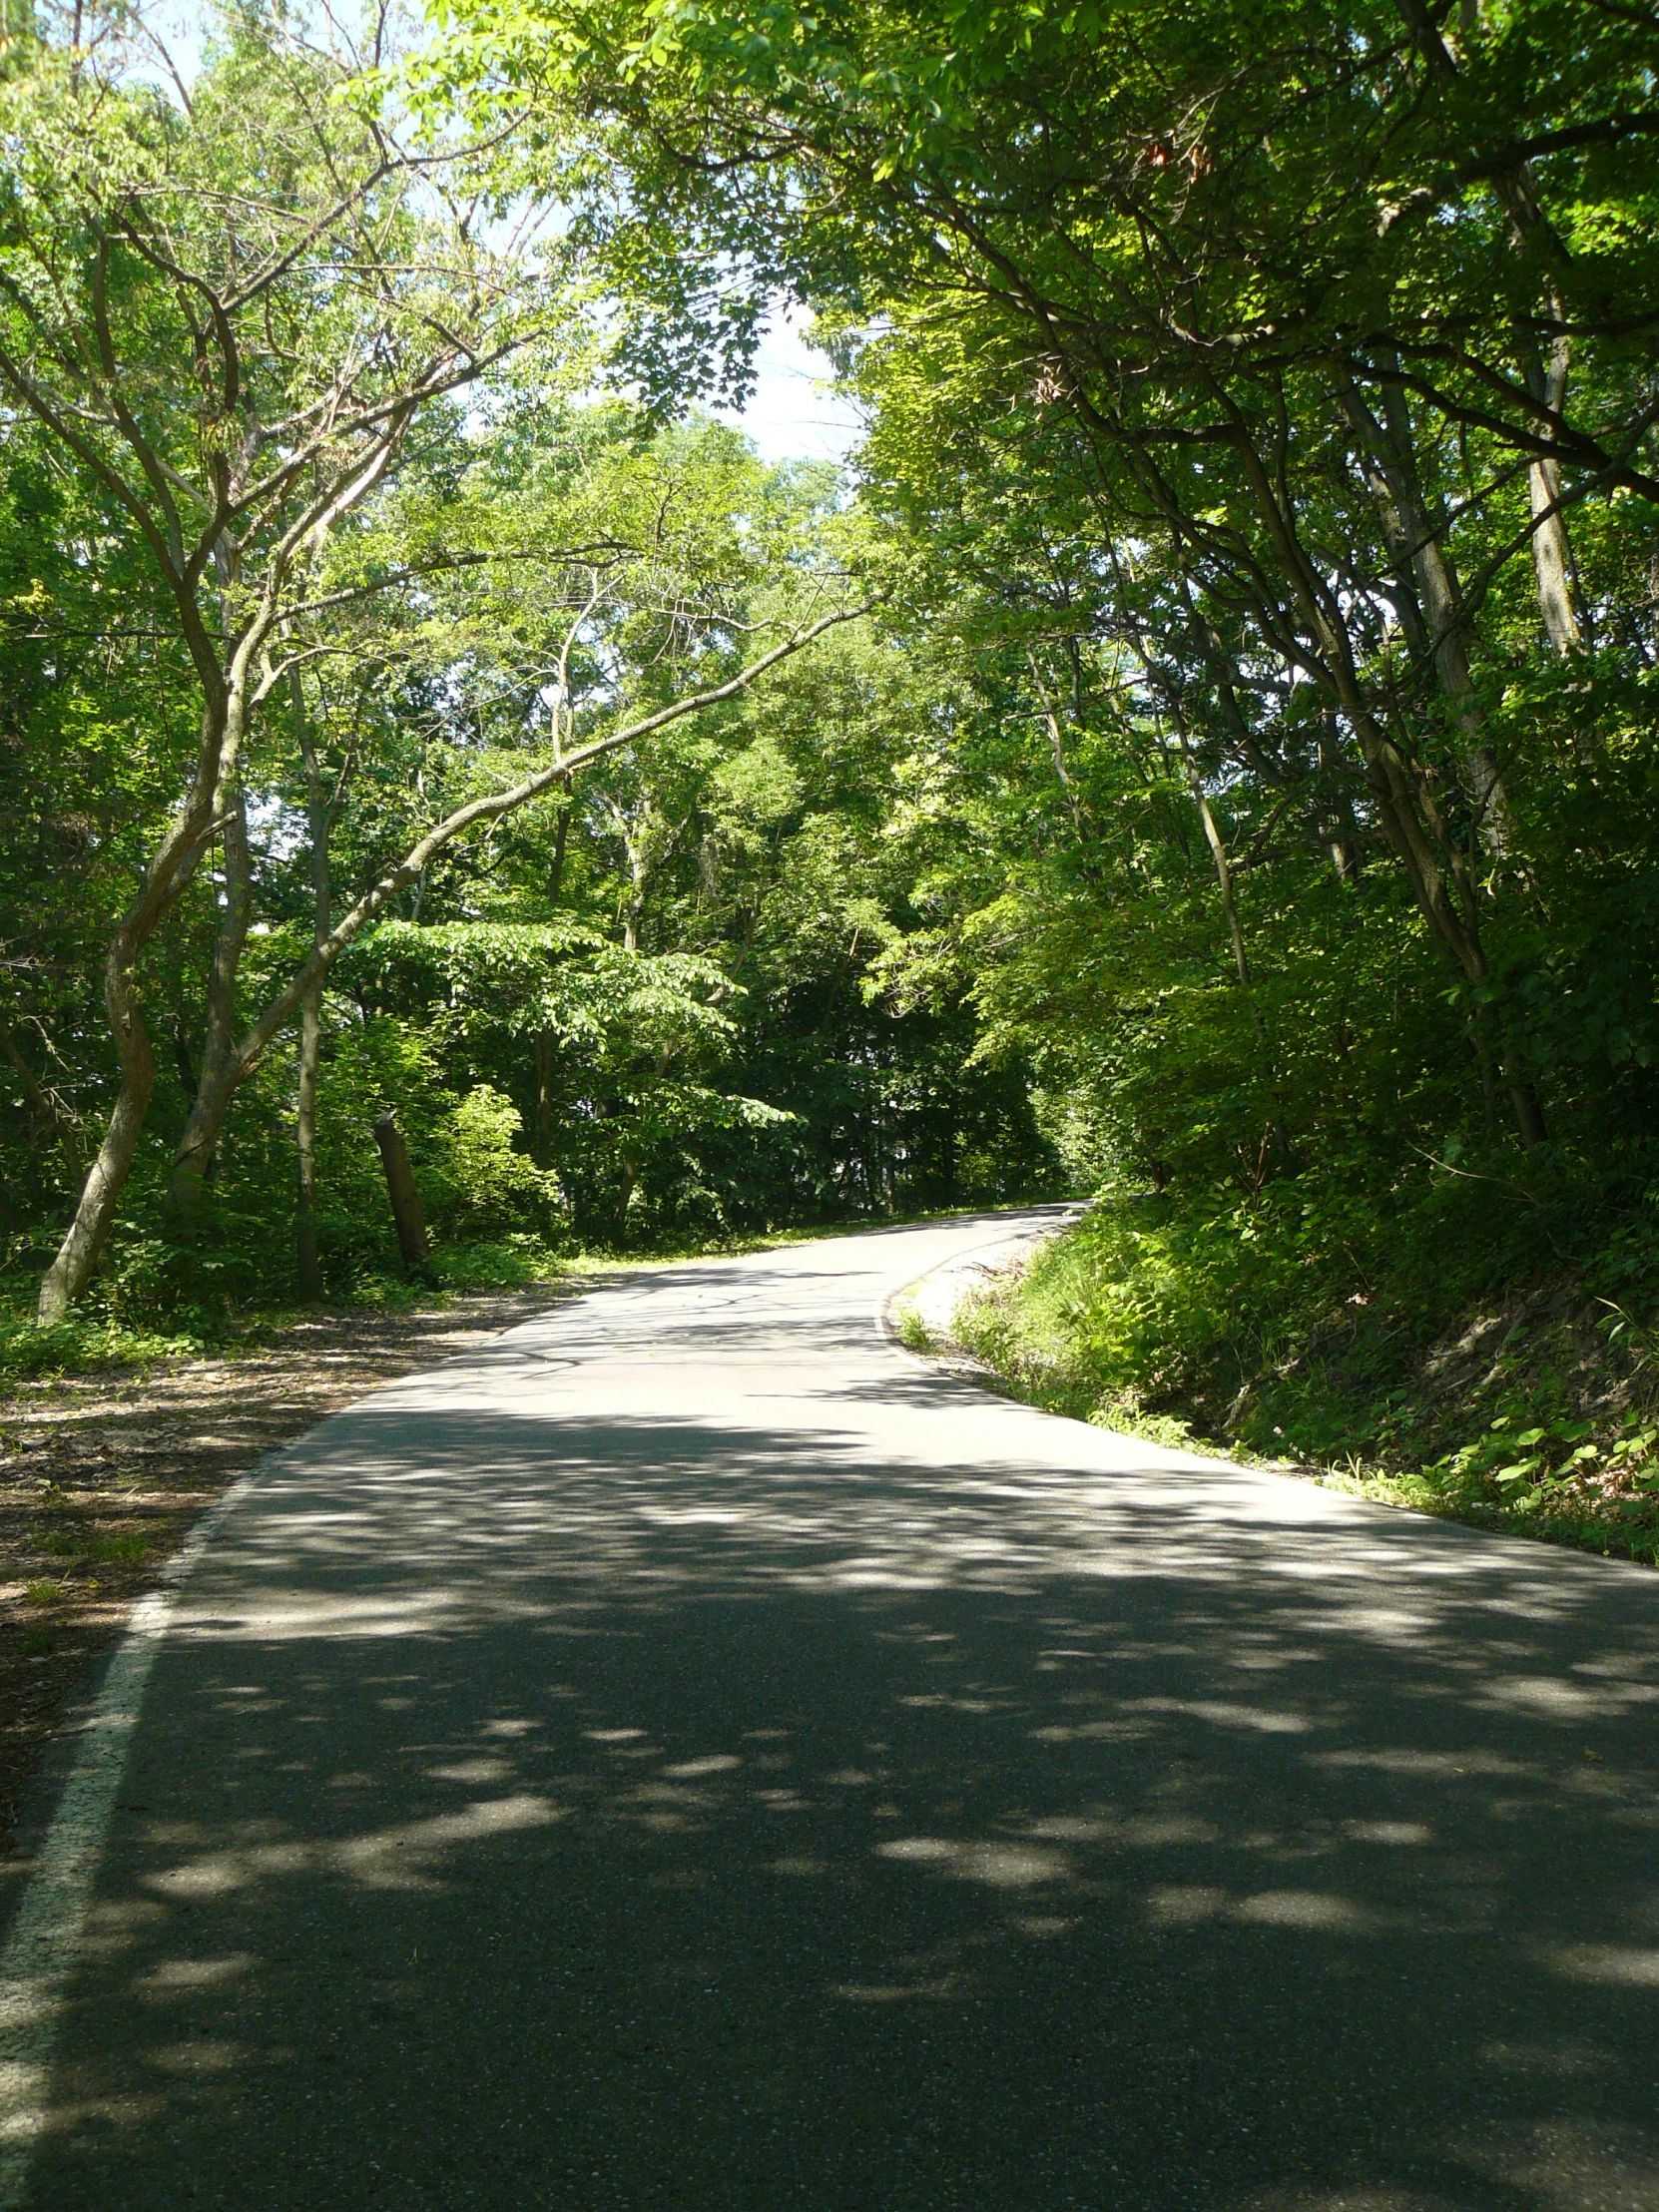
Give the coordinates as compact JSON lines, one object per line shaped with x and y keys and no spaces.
{"x":693,"y":1756}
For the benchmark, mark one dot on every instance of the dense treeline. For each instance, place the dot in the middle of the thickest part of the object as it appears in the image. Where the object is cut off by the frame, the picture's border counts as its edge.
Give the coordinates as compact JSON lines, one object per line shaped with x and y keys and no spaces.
{"x":1231,"y":792}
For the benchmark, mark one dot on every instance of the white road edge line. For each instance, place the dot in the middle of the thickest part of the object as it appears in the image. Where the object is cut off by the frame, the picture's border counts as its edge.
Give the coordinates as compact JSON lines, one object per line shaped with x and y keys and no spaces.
{"x":45,"y":1939}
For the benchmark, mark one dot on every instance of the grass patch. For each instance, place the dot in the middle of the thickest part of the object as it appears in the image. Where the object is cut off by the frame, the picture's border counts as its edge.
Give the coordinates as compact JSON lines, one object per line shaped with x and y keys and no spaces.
{"x":907,"y":1324}
{"x":76,"y":1344}
{"x":120,"y":1550}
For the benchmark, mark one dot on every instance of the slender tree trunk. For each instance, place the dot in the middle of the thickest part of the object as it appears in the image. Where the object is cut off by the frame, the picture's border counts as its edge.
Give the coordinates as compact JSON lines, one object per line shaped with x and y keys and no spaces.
{"x":318,"y":810}
{"x":1229,"y":906}
{"x":1241,"y":958}
{"x":1553,"y":562}
{"x":78,"y":1254}
{"x":1210,"y":649}
{"x":1056,"y":747}
{"x":1343,"y":847}
{"x":307,"y":1264}
{"x":1430,"y":604}
{"x":632,"y":915}
{"x":561,"y":844}
{"x":630,"y":1178}
{"x":546,"y":1047}
{"x":1552,"y":559}
{"x":193,"y":1160}
{"x":546,"y":1040}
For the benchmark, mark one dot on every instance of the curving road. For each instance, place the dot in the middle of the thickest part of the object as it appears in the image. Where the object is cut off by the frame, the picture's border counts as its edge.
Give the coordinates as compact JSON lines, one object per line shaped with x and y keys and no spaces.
{"x":694,"y":1756}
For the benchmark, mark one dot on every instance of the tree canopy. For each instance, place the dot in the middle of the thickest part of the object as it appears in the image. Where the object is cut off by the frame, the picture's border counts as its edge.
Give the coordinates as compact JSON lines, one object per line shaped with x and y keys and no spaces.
{"x":1201,"y":753}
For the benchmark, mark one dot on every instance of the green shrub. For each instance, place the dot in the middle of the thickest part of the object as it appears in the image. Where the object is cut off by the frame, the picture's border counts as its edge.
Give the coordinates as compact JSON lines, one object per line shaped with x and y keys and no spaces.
{"x":475,"y":1184}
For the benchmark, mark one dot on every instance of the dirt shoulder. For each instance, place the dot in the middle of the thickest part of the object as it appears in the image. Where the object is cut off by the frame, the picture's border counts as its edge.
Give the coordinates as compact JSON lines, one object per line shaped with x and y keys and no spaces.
{"x":103,"y":1472}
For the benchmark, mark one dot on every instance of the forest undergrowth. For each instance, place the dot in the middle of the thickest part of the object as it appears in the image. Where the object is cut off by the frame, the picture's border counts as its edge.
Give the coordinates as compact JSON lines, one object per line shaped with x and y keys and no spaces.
{"x":1496,"y":1364}
{"x":139,"y":1333}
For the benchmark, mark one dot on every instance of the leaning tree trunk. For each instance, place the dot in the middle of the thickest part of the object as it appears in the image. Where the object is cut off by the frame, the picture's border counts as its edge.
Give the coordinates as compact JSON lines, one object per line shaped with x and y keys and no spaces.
{"x":78,"y":1254}
{"x":406,"y":1215}
{"x":164,"y":882}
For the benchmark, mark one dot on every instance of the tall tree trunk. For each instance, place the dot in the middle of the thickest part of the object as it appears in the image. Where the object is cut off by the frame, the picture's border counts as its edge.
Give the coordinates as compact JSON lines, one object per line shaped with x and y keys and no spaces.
{"x":1224,"y":880}
{"x":78,"y":1254}
{"x":1241,"y":958}
{"x":1552,"y":559}
{"x":561,"y":844}
{"x":307,"y":1264}
{"x":1553,"y":562}
{"x":1430,"y":604}
{"x":221,"y":1073}
{"x":546,"y":1046}
{"x":1343,"y":847}
{"x":1057,"y":750}
{"x":630,"y":1179}
{"x":319,"y":813}
{"x":546,"y":1040}
{"x":170,"y":870}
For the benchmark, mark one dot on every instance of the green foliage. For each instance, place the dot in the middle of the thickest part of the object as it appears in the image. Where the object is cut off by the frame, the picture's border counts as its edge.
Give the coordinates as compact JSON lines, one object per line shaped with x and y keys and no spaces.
{"x":94,"y":1340}
{"x":474,"y":1181}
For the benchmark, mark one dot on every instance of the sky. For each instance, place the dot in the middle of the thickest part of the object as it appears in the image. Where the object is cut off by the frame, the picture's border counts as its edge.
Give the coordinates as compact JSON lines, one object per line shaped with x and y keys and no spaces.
{"x":792,"y":415}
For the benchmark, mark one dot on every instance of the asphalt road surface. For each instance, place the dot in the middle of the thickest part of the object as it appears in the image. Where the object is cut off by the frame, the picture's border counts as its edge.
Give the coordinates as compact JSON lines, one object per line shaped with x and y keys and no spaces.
{"x":693,"y":1755}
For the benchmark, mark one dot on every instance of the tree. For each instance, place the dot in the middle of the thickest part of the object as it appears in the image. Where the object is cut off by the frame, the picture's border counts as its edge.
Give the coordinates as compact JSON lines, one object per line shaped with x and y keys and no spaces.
{"x":236,"y":371}
{"x":1239,"y":251}
{"x":235,"y":308}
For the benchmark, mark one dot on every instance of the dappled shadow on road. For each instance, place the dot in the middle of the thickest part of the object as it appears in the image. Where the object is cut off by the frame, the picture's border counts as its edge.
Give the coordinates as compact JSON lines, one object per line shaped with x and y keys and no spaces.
{"x":669,"y":1815}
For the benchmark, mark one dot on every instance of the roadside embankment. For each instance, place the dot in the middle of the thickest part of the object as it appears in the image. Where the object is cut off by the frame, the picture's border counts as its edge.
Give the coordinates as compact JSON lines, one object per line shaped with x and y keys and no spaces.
{"x":1533,"y":1410}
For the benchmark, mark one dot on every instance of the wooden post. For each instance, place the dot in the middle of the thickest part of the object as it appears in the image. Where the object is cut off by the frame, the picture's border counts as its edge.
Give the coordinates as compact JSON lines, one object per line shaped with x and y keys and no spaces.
{"x":406,"y":1199}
